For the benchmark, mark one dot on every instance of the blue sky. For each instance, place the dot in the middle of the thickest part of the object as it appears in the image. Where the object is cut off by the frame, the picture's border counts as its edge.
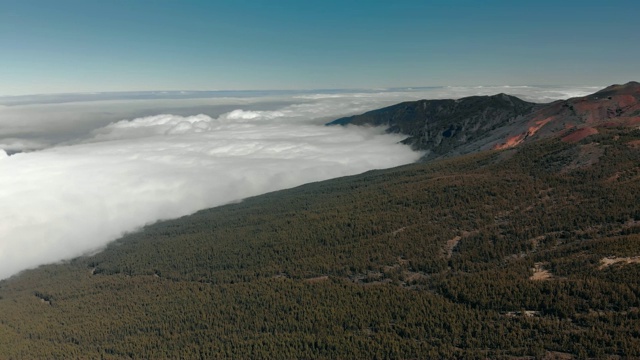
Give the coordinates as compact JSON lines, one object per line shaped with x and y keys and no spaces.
{"x":125,"y":45}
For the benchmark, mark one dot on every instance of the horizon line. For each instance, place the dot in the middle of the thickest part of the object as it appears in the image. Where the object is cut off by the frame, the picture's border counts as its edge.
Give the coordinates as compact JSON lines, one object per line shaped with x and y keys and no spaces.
{"x":391,"y":88}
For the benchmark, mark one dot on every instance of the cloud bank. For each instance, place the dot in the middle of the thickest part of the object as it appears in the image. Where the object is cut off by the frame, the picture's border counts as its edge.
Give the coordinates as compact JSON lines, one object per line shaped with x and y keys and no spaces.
{"x":40,"y":121}
{"x":61,"y":202}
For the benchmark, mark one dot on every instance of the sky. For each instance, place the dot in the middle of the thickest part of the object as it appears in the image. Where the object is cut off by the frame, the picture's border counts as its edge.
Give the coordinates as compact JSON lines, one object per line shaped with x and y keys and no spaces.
{"x":68,"y":46}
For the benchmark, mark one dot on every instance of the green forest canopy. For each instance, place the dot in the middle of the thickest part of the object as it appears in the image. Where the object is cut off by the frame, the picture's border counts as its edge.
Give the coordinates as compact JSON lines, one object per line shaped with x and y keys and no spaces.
{"x":523,"y":252}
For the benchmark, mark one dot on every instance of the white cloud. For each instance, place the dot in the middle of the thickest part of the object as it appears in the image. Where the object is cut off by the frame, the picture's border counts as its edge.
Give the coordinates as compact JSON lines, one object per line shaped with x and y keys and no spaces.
{"x":41,"y":125}
{"x":539,"y":94}
{"x":63,"y":201}
{"x":17,"y":144}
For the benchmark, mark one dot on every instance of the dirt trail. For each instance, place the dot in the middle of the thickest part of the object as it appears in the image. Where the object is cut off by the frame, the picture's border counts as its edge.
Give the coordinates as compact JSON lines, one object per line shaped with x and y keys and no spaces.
{"x":608,"y":261}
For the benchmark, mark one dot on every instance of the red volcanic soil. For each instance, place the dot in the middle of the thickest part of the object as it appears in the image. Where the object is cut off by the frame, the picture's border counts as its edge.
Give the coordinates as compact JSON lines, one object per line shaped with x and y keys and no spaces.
{"x":511,"y":142}
{"x":616,"y":105}
{"x":634,"y":144}
{"x":516,"y":140}
{"x":594,"y":110}
{"x":579,"y":134}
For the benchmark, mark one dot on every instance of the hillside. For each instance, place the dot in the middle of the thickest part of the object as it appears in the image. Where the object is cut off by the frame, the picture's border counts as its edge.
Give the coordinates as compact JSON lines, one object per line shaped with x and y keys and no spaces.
{"x":445,"y":128}
{"x":526,"y":252}
{"x":448,"y":127}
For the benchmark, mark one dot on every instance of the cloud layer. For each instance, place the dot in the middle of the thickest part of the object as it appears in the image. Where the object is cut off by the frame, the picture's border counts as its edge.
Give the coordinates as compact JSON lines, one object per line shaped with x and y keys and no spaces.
{"x":63,"y":201}
{"x":41,"y":121}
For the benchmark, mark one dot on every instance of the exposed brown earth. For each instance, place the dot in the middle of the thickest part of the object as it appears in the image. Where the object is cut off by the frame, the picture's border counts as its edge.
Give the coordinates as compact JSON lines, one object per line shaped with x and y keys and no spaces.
{"x":539,"y":273}
{"x":518,"y":139}
{"x":451,"y":244}
{"x":317,"y":279}
{"x":617,"y":105}
{"x":580,"y":134}
{"x":634,"y":144}
{"x":410,"y":276}
{"x":609,"y":261}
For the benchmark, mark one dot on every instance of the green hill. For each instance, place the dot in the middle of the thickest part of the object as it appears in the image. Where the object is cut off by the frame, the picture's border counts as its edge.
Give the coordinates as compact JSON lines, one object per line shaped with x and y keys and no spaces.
{"x":526,"y":252}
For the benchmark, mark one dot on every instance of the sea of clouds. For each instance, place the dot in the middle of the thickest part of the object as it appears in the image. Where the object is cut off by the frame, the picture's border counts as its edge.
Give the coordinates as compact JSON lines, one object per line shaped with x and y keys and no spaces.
{"x":84,"y":172}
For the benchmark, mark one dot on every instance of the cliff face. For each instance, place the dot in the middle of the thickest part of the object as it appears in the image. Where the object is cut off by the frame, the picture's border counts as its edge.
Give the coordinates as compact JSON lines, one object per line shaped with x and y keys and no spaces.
{"x":444,"y":128}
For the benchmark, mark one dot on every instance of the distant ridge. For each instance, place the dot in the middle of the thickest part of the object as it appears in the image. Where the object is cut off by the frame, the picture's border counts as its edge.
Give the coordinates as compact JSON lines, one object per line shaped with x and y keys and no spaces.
{"x":444,"y":128}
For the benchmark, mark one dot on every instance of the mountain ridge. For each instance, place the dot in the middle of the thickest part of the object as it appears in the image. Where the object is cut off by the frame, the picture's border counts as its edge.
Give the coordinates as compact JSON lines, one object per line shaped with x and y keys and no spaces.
{"x":445,"y":128}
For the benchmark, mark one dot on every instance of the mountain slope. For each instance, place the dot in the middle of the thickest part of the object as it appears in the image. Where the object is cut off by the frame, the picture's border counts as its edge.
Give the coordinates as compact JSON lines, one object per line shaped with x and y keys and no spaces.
{"x":445,"y":128}
{"x":528,"y":251}
{"x":575,"y":118}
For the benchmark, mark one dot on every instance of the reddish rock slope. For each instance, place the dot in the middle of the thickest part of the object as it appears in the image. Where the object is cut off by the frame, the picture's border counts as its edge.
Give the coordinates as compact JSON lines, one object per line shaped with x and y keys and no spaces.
{"x":577,"y":118}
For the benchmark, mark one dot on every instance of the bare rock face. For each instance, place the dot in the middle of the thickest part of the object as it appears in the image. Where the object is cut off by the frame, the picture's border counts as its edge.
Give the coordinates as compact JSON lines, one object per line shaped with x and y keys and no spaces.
{"x":444,"y":128}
